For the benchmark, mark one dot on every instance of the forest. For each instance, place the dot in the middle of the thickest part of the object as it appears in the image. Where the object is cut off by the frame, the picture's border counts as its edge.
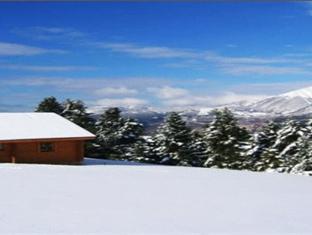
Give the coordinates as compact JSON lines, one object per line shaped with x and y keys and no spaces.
{"x":221,"y":143}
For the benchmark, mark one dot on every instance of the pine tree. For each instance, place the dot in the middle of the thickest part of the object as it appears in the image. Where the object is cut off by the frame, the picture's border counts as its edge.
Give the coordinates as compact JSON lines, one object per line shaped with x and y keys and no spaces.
{"x":131,"y":132}
{"x":50,"y":104}
{"x":199,"y":149}
{"x":173,"y":140}
{"x":76,"y":111}
{"x":270,"y":159}
{"x":302,"y":162}
{"x":107,"y":133}
{"x":226,"y":141}
{"x":308,"y":125}
{"x":144,"y":150}
{"x":116,"y":135}
{"x":261,"y":142}
{"x":304,"y":167}
{"x":286,"y":146}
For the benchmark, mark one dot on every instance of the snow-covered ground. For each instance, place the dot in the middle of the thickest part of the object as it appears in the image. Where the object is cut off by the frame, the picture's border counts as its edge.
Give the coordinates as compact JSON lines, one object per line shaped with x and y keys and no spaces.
{"x":144,"y":199}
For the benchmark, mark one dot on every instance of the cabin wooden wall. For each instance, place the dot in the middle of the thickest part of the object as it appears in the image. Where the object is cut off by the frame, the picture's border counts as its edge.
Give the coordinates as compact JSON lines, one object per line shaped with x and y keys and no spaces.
{"x":68,"y":151}
{"x":5,"y":155}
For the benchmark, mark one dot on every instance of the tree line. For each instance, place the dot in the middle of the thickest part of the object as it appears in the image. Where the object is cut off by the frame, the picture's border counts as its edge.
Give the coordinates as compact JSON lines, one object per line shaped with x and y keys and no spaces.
{"x":222,"y":143}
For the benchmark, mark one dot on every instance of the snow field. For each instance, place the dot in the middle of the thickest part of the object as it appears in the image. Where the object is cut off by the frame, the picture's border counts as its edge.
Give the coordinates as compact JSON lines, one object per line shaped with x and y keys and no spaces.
{"x":145,"y":199}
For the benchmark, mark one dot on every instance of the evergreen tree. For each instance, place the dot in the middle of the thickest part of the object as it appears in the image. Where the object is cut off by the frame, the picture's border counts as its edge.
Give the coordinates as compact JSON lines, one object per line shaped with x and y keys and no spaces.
{"x":286,"y":147}
{"x":303,"y":160}
{"x":308,"y":125}
{"x":304,"y":155}
{"x":76,"y":111}
{"x":173,"y":140}
{"x":226,"y":141}
{"x":50,"y":104}
{"x":304,"y":167}
{"x":144,"y":150}
{"x":199,"y":149}
{"x":288,"y":134}
{"x":107,"y":135}
{"x":287,"y":143}
{"x":116,"y":135}
{"x":261,"y":142}
{"x":270,"y":159}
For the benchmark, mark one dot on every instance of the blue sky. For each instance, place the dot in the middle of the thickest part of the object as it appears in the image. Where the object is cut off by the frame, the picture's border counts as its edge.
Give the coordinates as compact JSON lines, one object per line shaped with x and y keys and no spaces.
{"x":164,"y":55}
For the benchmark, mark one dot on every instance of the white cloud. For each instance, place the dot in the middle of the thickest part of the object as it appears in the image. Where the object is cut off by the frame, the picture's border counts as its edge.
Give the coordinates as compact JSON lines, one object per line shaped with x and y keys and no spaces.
{"x":49,"y":33}
{"x":13,"y":49}
{"x":263,"y":70}
{"x":273,"y":88}
{"x":148,"y":51}
{"x":86,"y":83}
{"x":123,"y":102}
{"x":234,"y":65}
{"x":202,"y":101}
{"x":178,"y":98}
{"x":232,"y":97}
{"x":57,"y":30}
{"x":39,"y":68}
{"x":295,"y":63}
{"x":164,"y":96}
{"x":286,"y":64}
{"x":248,"y":60}
{"x":188,"y":101}
{"x":192,"y":56}
{"x":108,"y":91}
{"x":168,"y":92}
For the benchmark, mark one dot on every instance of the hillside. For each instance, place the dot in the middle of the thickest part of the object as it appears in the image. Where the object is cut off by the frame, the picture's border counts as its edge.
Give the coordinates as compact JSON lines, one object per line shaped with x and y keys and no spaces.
{"x":296,"y":102}
{"x":144,"y":199}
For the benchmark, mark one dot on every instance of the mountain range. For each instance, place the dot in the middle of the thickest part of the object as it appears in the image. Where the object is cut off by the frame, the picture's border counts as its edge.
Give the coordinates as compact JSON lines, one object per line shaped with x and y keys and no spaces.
{"x":297,"y":103}
{"x":293,"y":103}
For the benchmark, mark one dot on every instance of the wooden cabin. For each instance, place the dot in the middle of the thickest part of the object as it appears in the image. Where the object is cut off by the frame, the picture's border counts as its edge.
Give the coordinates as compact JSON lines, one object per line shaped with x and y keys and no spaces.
{"x":41,"y":138}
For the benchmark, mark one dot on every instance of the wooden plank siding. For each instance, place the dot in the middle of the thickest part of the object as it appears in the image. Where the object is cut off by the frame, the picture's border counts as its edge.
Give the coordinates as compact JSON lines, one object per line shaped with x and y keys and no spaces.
{"x":65,"y":152}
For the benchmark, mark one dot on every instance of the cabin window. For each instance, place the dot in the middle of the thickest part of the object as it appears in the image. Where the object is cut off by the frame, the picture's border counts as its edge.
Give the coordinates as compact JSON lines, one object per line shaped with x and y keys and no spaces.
{"x":46,"y":147}
{"x":1,"y":147}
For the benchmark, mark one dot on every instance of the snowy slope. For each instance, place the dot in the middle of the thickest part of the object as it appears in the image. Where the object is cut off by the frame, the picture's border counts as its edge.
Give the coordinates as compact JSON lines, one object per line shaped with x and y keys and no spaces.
{"x":304,"y":93}
{"x":146,"y":199}
{"x":296,"y":102}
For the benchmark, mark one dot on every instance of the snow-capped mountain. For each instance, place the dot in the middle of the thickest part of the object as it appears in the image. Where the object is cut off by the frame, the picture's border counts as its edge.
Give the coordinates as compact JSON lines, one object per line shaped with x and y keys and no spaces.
{"x":297,"y":102}
{"x":293,"y":103}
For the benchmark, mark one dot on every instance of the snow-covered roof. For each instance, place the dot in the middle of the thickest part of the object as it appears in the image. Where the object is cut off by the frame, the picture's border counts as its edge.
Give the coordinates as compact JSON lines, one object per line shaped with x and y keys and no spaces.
{"x":28,"y":126}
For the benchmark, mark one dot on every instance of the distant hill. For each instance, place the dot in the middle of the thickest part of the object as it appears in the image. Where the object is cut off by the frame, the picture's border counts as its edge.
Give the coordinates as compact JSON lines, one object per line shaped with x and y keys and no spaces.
{"x":296,"y":104}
